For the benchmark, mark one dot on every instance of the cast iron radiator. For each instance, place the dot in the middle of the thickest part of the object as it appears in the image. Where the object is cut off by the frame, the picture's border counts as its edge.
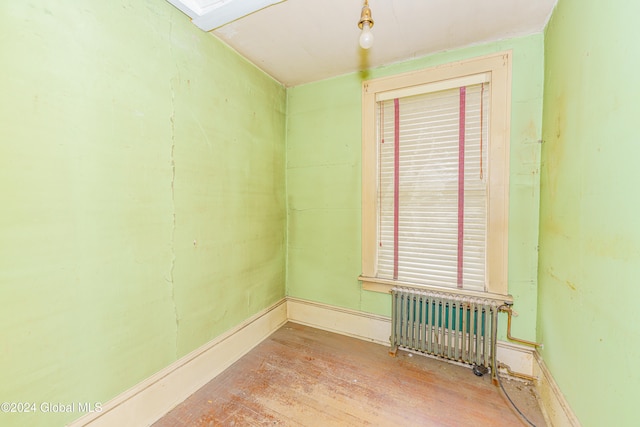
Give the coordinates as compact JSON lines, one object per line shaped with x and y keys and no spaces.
{"x":448,"y":325}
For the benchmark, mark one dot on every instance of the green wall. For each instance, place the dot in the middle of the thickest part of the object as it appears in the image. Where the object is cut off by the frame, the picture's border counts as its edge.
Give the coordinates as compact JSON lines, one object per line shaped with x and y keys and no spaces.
{"x":590,"y":219}
{"x":323,"y":183}
{"x":143,"y":207}
{"x":142,"y":170}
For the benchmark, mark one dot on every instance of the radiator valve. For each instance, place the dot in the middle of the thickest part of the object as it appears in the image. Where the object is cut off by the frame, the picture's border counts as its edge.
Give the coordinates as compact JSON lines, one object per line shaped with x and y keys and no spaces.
{"x":480,"y":370}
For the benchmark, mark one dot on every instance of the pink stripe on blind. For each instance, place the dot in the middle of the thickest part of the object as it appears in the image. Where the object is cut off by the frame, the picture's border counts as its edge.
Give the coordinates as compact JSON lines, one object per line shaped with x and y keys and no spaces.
{"x":463,"y":99}
{"x":396,"y":184}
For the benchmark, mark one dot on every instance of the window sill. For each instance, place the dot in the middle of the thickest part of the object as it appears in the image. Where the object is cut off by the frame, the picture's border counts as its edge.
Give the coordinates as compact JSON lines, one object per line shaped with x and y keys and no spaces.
{"x":374,"y":284}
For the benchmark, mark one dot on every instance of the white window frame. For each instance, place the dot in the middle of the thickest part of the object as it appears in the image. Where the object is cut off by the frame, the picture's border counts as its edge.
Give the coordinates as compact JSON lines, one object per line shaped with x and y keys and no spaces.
{"x":499,"y":67}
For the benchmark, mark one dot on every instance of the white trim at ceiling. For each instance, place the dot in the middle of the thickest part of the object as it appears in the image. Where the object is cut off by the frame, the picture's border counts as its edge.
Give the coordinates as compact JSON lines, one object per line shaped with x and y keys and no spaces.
{"x":211,"y":14}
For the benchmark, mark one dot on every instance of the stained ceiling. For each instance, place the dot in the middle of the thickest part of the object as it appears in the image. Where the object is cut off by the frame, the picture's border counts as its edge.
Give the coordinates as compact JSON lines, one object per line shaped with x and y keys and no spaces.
{"x":301,"y":41}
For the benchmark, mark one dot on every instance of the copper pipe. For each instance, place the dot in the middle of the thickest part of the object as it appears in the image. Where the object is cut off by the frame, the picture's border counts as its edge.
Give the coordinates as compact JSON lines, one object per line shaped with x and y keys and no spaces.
{"x":509,"y":312}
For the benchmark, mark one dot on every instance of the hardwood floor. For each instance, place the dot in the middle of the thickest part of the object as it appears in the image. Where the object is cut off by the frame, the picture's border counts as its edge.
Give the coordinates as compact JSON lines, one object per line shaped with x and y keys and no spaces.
{"x":302,"y":376}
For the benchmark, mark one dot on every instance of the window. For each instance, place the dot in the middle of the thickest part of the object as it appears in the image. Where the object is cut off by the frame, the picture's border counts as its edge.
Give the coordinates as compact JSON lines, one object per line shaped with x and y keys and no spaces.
{"x":435,"y":168}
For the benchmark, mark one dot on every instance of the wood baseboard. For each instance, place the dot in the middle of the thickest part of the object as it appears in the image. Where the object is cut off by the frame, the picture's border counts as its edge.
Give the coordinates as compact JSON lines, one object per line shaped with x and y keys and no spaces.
{"x":376,"y":328}
{"x":555,"y":407}
{"x":520,"y":359}
{"x":149,"y":400}
{"x":357,"y":324}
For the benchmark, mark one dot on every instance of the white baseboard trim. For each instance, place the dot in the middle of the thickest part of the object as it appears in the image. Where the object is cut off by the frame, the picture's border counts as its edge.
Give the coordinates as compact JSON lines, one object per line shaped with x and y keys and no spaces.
{"x":518,"y":357}
{"x":149,"y":400}
{"x":555,"y":407}
{"x":371,"y":327}
{"x":357,"y":324}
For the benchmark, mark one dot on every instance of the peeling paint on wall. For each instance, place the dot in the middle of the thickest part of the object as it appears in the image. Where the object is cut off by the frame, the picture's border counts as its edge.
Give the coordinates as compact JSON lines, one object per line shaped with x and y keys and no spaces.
{"x":127,"y":135}
{"x":589,"y":223}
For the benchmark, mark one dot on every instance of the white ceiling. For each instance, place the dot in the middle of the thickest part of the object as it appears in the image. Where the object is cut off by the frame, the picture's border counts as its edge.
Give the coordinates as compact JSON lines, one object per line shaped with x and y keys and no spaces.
{"x":300,"y":41}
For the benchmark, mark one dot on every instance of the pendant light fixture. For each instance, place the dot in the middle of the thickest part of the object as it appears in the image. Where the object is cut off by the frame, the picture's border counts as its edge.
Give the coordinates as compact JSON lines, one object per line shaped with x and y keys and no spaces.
{"x":365,"y":24}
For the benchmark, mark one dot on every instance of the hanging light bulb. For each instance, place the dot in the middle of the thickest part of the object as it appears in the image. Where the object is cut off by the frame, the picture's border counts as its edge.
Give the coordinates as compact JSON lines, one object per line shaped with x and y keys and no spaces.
{"x":365,"y":24}
{"x":366,"y":37}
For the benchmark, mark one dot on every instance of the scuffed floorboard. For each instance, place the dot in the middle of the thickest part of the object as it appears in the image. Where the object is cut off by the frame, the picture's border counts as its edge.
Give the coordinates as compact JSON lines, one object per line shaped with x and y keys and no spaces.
{"x":302,"y":376}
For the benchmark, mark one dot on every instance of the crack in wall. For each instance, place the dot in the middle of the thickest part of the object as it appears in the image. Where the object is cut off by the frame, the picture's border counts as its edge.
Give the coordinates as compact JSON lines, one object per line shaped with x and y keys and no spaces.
{"x":173,"y":198}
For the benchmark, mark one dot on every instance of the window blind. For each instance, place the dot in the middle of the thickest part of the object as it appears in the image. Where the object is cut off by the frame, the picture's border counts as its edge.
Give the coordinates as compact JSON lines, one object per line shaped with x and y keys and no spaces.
{"x":432,"y":187}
